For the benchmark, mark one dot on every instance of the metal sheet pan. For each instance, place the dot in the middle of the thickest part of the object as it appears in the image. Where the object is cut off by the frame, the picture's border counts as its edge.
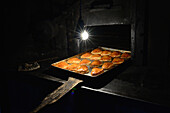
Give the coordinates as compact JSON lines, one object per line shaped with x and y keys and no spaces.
{"x":88,"y":79}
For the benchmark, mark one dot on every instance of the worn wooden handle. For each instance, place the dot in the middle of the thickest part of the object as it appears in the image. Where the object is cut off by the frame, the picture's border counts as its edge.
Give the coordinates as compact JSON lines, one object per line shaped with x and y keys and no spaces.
{"x":58,"y":93}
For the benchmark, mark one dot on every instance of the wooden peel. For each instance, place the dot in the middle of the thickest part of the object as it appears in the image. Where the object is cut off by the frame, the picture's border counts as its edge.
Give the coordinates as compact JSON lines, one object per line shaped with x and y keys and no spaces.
{"x":58,"y":93}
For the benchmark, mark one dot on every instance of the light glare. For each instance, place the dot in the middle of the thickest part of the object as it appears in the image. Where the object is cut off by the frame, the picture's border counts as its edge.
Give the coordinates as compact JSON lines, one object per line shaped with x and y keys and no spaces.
{"x":84,"y":35}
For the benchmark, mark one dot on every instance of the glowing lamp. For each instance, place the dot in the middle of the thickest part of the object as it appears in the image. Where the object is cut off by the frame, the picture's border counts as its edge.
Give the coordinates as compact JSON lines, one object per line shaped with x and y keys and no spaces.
{"x":84,"y":35}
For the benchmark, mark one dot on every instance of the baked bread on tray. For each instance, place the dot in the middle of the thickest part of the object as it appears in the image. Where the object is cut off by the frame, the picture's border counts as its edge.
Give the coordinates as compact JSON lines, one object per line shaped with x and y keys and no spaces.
{"x":86,"y":55}
{"x":85,"y":62}
{"x":106,"y":52}
{"x":115,"y":54}
{"x":118,"y":60}
{"x":96,"y":51}
{"x":107,"y":65}
{"x":83,"y":69}
{"x":62,"y":65}
{"x":126,"y":55}
{"x":96,"y":71}
{"x":106,"y":58}
{"x":73,"y":60}
{"x":95,"y":57}
{"x":95,"y":63}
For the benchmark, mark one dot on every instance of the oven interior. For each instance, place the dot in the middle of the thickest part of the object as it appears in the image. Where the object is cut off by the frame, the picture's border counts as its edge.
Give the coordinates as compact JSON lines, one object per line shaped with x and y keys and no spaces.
{"x":113,"y":36}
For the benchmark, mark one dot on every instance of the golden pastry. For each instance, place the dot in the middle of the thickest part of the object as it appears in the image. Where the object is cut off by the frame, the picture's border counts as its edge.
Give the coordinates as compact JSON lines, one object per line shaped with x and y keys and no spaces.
{"x":96,"y":51}
{"x":126,"y":55}
{"x":73,"y":60}
{"x":73,"y":67}
{"x":95,"y":57}
{"x":82,"y":69}
{"x":107,"y":65}
{"x":106,"y":58}
{"x":62,"y":65}
{"x":95,"y":63}
{"x":86,"y":55}
{"x":118,"y":60}
{"x":96,"y":71}
{"x":85,"y":62}
{"x":115,"y":54}
{"x":106,"y":52}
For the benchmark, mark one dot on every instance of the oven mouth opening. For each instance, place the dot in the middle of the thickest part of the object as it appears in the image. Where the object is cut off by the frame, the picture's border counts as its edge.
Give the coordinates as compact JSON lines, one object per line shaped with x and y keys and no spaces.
{"x":113,"y":36}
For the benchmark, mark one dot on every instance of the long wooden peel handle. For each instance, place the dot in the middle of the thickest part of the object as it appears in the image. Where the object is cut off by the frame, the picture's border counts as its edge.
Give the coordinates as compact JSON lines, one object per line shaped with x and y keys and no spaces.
{"x":58,"y":93}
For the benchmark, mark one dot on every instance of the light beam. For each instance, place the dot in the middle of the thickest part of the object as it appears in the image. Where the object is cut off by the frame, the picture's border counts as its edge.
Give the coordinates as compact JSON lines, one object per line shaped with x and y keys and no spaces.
{"x":84,"y":35}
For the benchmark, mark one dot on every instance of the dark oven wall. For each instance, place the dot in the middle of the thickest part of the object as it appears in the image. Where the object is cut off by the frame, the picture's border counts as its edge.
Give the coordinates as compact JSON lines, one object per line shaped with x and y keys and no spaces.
{"x":42,"y":29}
{"x":38,"y":29}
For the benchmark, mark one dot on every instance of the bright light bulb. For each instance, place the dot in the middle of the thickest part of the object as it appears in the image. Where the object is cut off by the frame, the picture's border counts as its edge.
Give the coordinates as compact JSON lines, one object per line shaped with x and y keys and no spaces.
{"x":84,"y":35}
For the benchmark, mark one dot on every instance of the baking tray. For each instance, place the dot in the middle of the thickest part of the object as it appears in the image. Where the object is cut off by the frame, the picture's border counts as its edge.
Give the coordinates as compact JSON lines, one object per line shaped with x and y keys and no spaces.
{"x":97,"y":81}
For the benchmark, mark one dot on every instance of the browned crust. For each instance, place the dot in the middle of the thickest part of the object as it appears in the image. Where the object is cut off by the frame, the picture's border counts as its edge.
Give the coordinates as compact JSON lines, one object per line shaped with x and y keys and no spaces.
{"x":73,"y":60}
{"x":115,"y":54}
{"x":106,"y":58}
{"x":126,"y":55}
{"x":118,"y":61}
{"x":85,"y":62}
{"x":97,"y":73}
{"x":106,"y":52}
{"x":73,"y":67}
{"x":86,"y":55}
{"x":62,"y":65}
{"x":95,"y":57}
{"x":96,"y":51}
{"x":95,"y":63}
{"x":107,"y":65}
{"x":83,"y":69}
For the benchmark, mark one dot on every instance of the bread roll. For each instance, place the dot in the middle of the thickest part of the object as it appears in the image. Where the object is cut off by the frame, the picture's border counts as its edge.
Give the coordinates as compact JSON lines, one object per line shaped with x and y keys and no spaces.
{"x":73,"y":60}
{"x":96,"y":71}
{"x":106,"y":58}
{"x":97,"y":51}
{"x":126,"y":55}
{"x":73,"y":67}
{"x":107,"y":65}
{"x":86,"y":55}
{"x":85,"y":62}
{"x":118,"y":60}
{"x":95,"y":57}
{"x":106,"y":52}
{"x":82,"y":69}
{"x":96,"y":63}
{"x":62,"y":65}
{"x":115,"y":54}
